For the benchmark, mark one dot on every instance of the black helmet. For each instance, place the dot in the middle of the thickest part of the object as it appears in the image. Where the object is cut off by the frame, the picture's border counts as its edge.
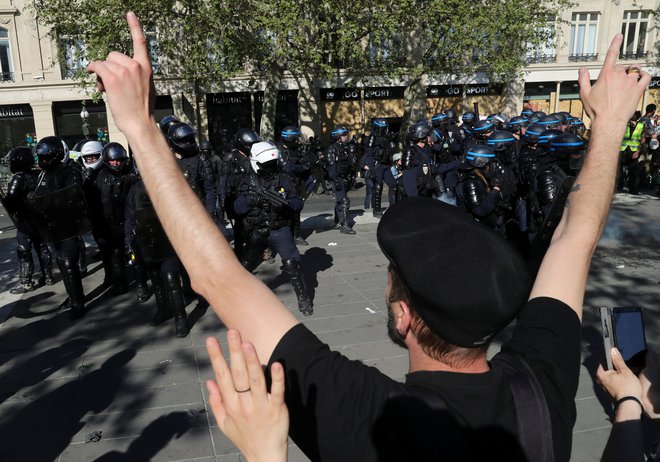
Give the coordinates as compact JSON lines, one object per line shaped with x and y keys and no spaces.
{"x":548,"y":135}
{"x":534,"y":118}
{"x":166,"y":122}
{"x":500,"y":140}
{"x":338,"y":132}
{"x":516,"y":123}
{"x":20,"y":159}
{"x":419,"y":131}
{"x":566,"y":143}
{"x":290,"y":134}
{"x":451,"y":115}
{"x":482,"y":127}
{"x":115,"y":151}
{"x":244,"y":140}
{"x":567,"y":117}
{"x":205,"y":146}
{"x":181,"y":138}
{"x":439,"y":119}
{"x":468,"y":117}
{"x":379,"y":127}
{"x":533,"y":132}
{"x":50,"y":152}
{"x":576,"y":126}
{"x":561,"y":117}
{"x":549,"y":121}
{"x":479,"y":155}
{"x":436,"y":136}
{"x":527,"y":112}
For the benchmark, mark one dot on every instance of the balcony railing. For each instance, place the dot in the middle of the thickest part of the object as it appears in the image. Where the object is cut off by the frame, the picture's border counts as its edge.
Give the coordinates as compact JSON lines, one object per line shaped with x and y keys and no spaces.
{"x":540,"y":59}
{"x":583,"y":58}
{"x":637,"y":55}
{"x":6,"y":76}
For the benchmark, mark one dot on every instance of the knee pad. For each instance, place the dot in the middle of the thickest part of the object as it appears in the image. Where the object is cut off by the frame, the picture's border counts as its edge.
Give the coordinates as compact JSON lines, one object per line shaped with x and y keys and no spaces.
{"x":291,"y":266}
{"x":172,"y":281}
{"x":22,"y":253}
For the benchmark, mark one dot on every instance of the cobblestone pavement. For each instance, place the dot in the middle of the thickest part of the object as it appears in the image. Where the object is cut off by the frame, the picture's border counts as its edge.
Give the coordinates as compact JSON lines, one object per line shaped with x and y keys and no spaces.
{"x":140,"y":392}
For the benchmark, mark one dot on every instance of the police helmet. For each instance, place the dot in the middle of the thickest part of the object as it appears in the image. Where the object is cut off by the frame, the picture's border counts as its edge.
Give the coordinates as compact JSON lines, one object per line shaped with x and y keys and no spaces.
{"x":290,"y":134}
{"x":116,"y":152}
{"x":468,"y":117}
{"x":479,"y":155}
{"x":500,"y":140}
{"x":205,"y":146}
{"x":91,"y":154}
{"x":516,"y":123}
{"x":436,"y":136}
{"x":576,"y":126}
{"x":166,"y":122}
{"x":483,"y":126}
{"x":566,"y":143}
{"x":561,"y":117}
{"x":420,"y":131}
{"x":338,"y":132}
{"x":549,"y":121}
{"x":533,"y":132}
{"x":245,"y":138}
{"x":50,"y":152}
{"x":264,"y":157}
{"x":439,"y":119}
{"x":548,"y":135}
{"x":181,"y":138}
{"x":20,"y":159}
{"x":451,"y":115}
{"x":379,"y":127}
{"x":527,"y":112}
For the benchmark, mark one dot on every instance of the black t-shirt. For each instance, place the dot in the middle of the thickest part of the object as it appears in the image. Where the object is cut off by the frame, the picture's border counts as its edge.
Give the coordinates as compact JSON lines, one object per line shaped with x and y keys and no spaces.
{"x":341,"y":409}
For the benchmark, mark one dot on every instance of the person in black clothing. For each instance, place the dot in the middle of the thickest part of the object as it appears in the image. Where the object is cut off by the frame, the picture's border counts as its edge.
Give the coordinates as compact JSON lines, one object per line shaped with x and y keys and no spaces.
{"x":478,"y":191}
{"x":377,"y":160}
{"x":340,"y":169}
{"x":455,"y":403}
{"x":237,"y":164}
{"x":295,"y":163}
{"x":418,"y":168}
{"x":114,"y":182}
{"x":56,"y":177}
{"x":501,"y":172}
{"x":23,"y":182}
{"x":146,"y":243}
{"x":266,"y":201}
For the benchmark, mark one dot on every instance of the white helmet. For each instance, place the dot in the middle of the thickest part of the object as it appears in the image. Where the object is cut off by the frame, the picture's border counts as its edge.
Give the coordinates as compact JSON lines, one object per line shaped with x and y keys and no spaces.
{"x":654,"y":144}
{"x":91,"y":154}
{"x":264,"y":154}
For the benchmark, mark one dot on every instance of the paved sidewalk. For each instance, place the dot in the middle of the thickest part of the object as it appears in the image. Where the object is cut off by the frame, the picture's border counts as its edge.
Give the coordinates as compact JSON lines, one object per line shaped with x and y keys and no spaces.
{"x":143,"y":389}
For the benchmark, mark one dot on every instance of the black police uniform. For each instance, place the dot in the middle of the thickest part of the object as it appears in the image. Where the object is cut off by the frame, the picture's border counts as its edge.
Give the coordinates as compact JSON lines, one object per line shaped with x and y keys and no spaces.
{"x":267,"y":224}
{"x":474,"y":193}
{"x":378,"y":156}
{"x":340,"y":171}
{"x":295,"y":164}
{"x":418,"y":172}
{"x":236,"y":165}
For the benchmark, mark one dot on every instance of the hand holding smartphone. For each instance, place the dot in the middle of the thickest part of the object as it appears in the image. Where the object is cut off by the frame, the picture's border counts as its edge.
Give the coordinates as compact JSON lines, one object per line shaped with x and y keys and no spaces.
{"x":623,"y":328}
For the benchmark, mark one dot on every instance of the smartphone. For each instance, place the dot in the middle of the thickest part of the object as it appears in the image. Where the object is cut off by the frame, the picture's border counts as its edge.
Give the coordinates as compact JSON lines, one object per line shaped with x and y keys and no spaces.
{"x":623,"y":328}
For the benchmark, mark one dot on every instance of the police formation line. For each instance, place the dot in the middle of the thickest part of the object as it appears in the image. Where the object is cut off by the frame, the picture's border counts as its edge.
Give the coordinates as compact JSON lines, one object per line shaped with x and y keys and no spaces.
{"x":512,"y":175}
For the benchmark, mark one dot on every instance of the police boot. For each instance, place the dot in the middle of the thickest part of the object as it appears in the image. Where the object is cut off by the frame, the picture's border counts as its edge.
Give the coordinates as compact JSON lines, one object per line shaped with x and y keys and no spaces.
{"x":25,"y":268}
{"x":73,"y":285}
{"x":119,"y":285}
{"x":163,"y":308}
{"x":297,"y":238}
{"x":82,"y":257}
{"x":336,"y":218}
{"x":143,"y":294}
{"x":345,"y":227}
{"x":46,"y":263}
{"x":376,"y":200}
{"x":293,"y":269}
{"x":177,"y":303}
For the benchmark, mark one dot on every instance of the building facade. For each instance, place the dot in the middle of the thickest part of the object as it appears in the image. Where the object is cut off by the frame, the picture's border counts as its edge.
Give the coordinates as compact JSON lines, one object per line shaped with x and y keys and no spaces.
{"x":37,"y":97}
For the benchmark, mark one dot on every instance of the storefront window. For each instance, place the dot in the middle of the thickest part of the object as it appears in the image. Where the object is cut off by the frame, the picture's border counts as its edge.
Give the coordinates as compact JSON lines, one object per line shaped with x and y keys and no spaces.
{"x":70,"y":126}
{"x":286,"y":110}
{"x":227,"y":112}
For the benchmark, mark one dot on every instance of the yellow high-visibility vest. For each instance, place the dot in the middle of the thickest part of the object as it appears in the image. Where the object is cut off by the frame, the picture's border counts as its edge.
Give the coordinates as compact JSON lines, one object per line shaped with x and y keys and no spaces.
{"x":633,"y":140}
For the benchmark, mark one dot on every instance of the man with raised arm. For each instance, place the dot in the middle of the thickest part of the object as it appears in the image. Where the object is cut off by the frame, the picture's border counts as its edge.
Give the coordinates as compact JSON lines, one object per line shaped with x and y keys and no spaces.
{"x":442,"y":308}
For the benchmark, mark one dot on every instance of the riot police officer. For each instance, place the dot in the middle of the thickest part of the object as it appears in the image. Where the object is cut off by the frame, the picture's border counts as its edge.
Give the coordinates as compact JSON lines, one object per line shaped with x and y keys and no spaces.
{"x":418,"y":168}
{"x":295,"y":163}
{"x":340,"y":170}
{"x":377,"y":152}
{"x":502,"y":167}
{"x":23,"y":182}
{"x":266,"y":202}
{"x":467,"y":127}
{"x":58,"y":198}
{"x":147,"y":242}
{"x":115,"y":181}
{"x":478,"y":192}
{"x":237,"y":163}
{"x":213,"y":162}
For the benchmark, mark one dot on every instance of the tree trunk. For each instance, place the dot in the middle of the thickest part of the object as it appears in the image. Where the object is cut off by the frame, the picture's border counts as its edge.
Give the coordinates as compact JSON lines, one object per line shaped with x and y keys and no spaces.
{"x":414,"y":104}
{"x":271,"y":91}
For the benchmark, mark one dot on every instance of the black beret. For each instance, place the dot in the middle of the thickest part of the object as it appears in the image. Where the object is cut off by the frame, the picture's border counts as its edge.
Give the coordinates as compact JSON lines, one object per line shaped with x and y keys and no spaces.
{"x":465,"y":281}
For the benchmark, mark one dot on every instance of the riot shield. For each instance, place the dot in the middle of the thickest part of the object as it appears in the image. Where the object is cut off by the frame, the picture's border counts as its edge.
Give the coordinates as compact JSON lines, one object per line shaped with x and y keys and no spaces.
{"x":11,"y":209}
{"x":543,"y":237}
{"x":59,"y":215}
{"x":151,"y":238}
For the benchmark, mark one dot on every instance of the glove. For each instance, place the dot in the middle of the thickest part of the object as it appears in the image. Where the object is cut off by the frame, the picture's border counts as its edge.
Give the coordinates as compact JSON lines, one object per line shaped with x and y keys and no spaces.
{"x":130,"y":254}
{"x":496,"y":181}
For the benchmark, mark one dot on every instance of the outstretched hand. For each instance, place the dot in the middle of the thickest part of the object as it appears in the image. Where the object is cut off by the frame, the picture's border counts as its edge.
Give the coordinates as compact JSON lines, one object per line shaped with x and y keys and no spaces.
{"x":128,"y":82}
{"x":616,"y":93}
{"x":256,"y":421}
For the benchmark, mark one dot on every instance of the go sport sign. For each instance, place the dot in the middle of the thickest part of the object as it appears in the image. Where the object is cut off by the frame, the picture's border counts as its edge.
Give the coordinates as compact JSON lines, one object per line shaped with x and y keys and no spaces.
{"x":471,"y":90}
{"x":354,"y":94}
